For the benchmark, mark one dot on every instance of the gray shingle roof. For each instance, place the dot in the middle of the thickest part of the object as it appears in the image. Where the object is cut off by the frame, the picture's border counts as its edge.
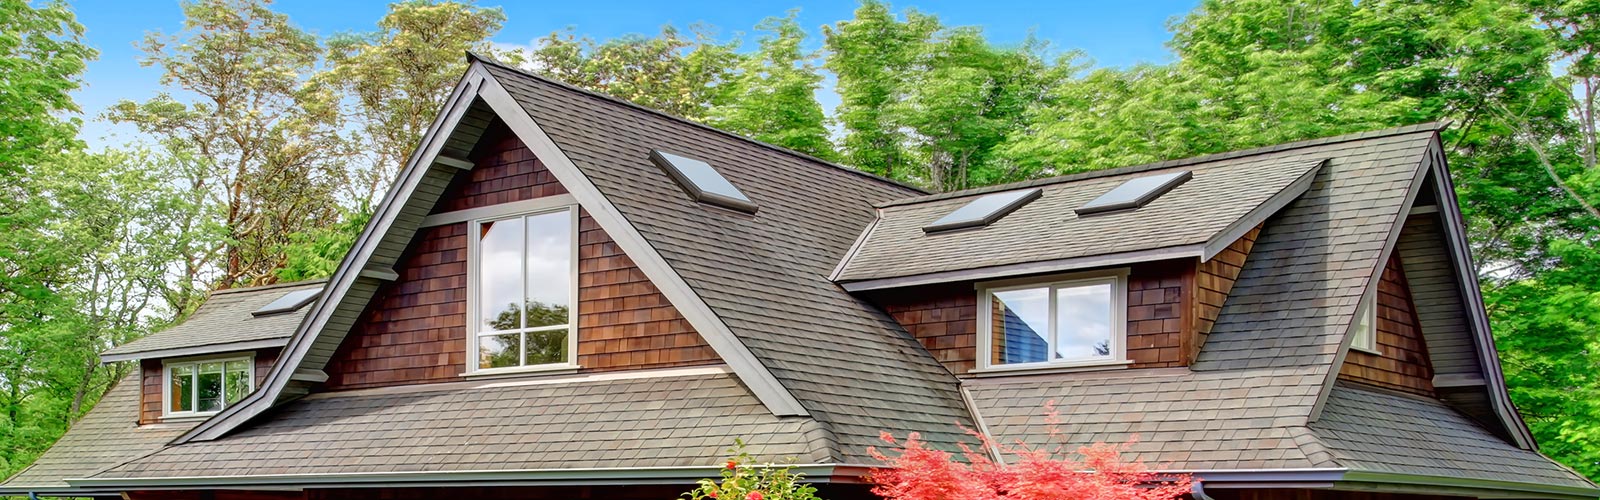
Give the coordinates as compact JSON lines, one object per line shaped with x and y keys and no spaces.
{"x":1196,"y":212}
{"x":1379,"y":431}
{"x":108,"y":435}
{"x":223,"y":319}
{"x":764,"y":275}
{"x":687,"y":420}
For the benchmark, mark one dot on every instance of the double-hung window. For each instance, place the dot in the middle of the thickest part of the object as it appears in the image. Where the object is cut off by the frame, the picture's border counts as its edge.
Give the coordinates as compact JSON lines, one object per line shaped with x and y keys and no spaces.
{"x":206,"y":386}
{"x":521,"y":312}
{"x":1077,"y":321}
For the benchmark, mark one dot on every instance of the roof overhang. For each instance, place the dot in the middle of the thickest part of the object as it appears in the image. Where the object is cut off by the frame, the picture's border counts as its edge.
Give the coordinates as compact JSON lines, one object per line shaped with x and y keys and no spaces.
{"x":196,"y":350}
{"x":817,"y":473}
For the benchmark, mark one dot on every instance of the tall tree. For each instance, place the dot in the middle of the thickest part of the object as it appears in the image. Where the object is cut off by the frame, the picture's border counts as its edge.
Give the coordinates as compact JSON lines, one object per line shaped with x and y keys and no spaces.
{"x":400,"y":75}
{"x":773,"y":96}
{"x":670,"y":72}
{"x":268,"y":141}
{"x":873,"y":55}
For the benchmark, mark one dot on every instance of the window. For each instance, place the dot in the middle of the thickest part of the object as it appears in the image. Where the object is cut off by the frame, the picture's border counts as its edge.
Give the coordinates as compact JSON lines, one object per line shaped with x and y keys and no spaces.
{"x":1364,"y":333}
{"x":1071,"y":322}
{"x":289,"y":302}
{"x":206,"y":386}
{"x":702,"y":181}
{"x":524,"y":285}
{"x":1134,"y":193}
{"x":984,"y":210}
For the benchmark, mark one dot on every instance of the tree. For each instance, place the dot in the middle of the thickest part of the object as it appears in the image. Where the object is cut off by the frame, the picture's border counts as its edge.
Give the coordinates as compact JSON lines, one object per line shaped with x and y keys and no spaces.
{"x":773,"y":95}
{"x":400,"y":75}
{"x":872,"y":55}
{"x":42,"y":58}
{"x":267,"y":142}
{"x":669,"y":72}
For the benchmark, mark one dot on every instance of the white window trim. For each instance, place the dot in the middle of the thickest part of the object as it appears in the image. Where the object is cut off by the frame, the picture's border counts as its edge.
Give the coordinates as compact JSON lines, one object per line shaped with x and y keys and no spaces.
{"x":166,"y":382}
{"x":474,"y":315}
{"x":1368,"y":307}
{"x":1118,"y":278}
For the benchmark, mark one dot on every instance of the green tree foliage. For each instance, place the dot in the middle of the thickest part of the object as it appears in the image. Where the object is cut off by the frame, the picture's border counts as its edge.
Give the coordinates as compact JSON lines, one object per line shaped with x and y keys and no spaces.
{"x":400,"y":75}
{"x":267,"y":140}
{"x":873,"y":55}
{"x":669,"y":72}
{"x":42,"y":57}
{"x":772,"y":98}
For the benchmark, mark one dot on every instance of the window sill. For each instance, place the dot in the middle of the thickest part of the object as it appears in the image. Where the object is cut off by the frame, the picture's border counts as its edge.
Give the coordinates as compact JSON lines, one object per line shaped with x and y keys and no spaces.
{"x":1035,"y":368}
{"x":195,"y":417}
{"x":1373,"y":352}
{"x":522,"y":371}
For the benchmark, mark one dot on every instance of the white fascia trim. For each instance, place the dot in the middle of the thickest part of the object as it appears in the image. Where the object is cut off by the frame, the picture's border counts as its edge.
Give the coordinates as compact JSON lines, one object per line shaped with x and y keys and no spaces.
{"x":504,"y":209}
{"x":1261,"y":213}
{"x":1010,"y":270}
{"x":544,"y":477}
{"x":349,"y":269}
{"x":1424,"y":166}
{"x":249,"y":345}
{"x":751,"y":371}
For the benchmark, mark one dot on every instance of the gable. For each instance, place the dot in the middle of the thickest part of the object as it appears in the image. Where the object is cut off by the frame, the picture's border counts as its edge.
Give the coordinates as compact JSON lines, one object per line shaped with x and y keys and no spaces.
{"x":1402,"y":359}
{"x":415,"y":331}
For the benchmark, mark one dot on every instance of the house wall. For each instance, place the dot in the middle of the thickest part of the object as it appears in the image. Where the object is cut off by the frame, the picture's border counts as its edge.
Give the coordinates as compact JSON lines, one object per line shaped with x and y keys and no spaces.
{"x":151,"y":380}
{"x":1403,"y":360}
{"x":414,"y":331}
{"x":1213,"y":281}
{"x":1157,"y":321}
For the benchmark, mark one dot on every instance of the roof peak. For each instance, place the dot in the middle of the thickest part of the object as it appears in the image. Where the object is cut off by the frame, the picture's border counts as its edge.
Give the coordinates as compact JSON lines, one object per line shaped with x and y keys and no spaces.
{"x":1433,"y":126}
{"x":473,"y":56}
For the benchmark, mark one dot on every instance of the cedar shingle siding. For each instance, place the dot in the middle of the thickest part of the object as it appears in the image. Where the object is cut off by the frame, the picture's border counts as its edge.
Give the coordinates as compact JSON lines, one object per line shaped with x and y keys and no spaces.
{"x":1403,"y":364}
{"x":415,"y":330}
{"x":150,"y":371}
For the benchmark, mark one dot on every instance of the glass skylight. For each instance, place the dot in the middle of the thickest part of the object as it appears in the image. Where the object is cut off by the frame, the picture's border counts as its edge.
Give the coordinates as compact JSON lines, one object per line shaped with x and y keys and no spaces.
{"x":702,"y":182}
{"x":289,"y":302}
{"x":1134,"y":193}
{"x":984,"y":210}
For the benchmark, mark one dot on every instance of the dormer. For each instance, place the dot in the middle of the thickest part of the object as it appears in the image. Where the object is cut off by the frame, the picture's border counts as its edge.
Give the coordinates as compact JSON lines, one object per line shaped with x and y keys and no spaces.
{"x":219,"y":354}
{"x":1115,"y":269}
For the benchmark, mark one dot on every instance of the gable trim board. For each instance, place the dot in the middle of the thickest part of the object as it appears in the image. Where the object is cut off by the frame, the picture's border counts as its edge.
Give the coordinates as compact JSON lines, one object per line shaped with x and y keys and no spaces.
{"x":479,"y":84}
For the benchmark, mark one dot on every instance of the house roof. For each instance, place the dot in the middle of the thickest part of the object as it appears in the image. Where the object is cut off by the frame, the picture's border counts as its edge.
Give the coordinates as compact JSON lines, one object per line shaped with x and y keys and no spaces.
{"x":639,"y":420}
{"x":841,"y":370}
{"x":223,"y":323}
{"x":1222,"y":200}
{"x":107,"y":436}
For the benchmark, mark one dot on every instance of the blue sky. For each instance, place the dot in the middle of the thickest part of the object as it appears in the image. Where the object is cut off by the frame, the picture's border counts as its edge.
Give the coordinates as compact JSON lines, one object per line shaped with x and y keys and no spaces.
{"x":1113,"y":33}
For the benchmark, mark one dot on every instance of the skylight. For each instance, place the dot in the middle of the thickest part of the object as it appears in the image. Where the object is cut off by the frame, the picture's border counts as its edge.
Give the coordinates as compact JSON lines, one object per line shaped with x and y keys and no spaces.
{"x":702,"y":182}
{"x":984,"y":210}
{"x":1135,"y":193}
{"x":289,"y":302}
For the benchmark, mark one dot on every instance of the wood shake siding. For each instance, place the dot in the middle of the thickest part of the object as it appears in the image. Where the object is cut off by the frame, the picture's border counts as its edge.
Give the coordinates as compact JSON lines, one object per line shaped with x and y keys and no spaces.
{"x":414,"y":331}
{"x":151,"y":379}
{"x":1156,"y":320}
{"x":944,"y":318}
{"x":1403,"y":360}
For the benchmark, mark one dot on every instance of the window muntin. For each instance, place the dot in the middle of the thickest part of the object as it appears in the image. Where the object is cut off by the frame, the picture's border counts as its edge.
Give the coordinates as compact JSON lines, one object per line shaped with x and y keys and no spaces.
{"x":1071,"y":322}
{"x":206,"y":386}
{"x":524,"y":279}
{"x":1364,"y":332}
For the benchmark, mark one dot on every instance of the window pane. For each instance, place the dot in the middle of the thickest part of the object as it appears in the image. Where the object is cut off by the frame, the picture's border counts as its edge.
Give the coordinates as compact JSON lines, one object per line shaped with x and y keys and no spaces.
{"x":1363,"y":329}
{"x":547,"y":347}
{"x":1083,"y":320}
{"x":209,"y":387}
{"x":549,"y":269}
{"x":237,"y":381}
{"x":499,"y":268}
{"x":499,"y":351}
{"x":1021,"y":322}
{"x":182,"y":390}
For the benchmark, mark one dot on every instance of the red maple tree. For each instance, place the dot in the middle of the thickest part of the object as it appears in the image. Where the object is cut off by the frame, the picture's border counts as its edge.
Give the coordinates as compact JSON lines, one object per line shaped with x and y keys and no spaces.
{"x":1096,"y":472}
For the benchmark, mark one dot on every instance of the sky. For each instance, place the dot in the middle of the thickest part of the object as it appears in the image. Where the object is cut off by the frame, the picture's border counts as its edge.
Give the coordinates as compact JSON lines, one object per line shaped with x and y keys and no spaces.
{"x":1112,"y":33}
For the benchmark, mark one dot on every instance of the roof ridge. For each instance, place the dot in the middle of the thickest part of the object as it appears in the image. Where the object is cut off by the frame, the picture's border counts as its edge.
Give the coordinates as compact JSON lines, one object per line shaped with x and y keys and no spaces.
{"x":615,"y":100}
{"x":1433,"y":126}
{"x":274,"y":286}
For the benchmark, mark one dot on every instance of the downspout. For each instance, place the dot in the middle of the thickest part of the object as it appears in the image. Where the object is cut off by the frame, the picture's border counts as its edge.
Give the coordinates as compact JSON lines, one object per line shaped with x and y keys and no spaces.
{"x":1197,"y":489}
{"x":32,"y":495}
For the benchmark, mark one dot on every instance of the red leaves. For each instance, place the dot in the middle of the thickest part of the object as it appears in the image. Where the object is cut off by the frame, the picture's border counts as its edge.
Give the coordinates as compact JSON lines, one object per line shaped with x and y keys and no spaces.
{"x":1096,"y":472}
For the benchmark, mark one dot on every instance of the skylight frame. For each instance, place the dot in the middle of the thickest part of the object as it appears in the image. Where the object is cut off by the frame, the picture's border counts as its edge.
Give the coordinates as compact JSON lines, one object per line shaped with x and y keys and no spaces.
{"x":685,"y":170}
{"x":994,"y":214}
{"x":1119,"y":199}
{"x":289,"y":302}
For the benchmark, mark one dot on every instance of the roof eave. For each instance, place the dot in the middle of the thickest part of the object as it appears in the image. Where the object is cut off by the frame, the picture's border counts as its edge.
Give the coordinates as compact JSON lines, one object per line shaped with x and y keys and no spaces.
{"x":249,"y":345}
{"x":526,"y":477}
{"x":1027,"y":268}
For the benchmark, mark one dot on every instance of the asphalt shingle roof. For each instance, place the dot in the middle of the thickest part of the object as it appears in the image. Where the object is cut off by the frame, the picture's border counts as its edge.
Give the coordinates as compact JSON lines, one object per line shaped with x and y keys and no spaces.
{"x":108,"y":435}
{"x":1215,"y":199}
{"x":687,"y":420}
{"x":765,"y":275}
{"x":225,"y":318}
